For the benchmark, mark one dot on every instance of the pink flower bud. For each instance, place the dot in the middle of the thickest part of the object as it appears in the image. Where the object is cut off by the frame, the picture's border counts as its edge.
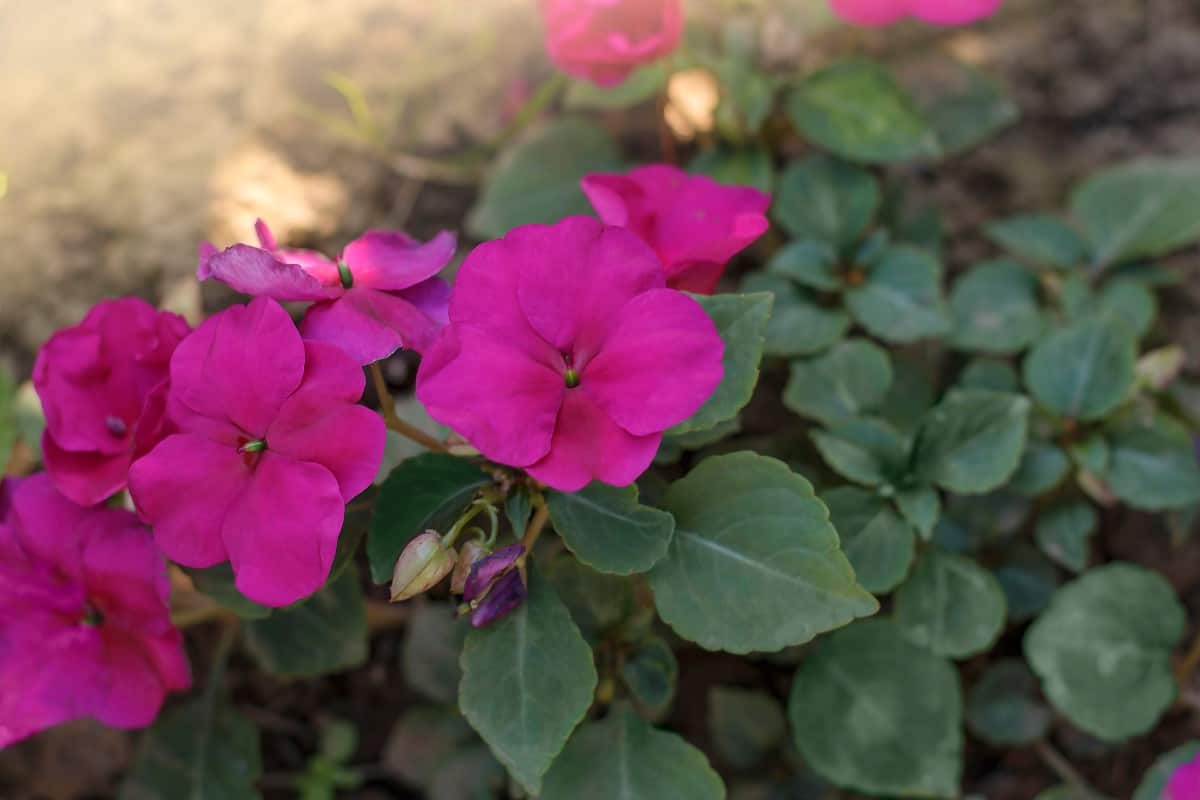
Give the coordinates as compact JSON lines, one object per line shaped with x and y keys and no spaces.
{"x":422,"y":565}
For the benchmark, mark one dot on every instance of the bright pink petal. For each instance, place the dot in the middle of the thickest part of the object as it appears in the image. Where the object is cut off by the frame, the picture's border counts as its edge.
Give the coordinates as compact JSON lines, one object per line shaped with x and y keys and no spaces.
{"x":503,"y":402}
{"x":659,"y":365}
{"x":1184,"y":783}
{"x":266,"y":239}
{"x":87,"y":477}
{"x":184,"y":488}
{"x":392,"y":260}
{"x":369,"y":325}
{"x":432,"y":298}
{"x":134,"y":690}
{"x":124,"y":573}
{"x":952,"y":12}
{"x":589,"y":446}
{"x":870,"y":12}
{"x":240,"y":365}
{"x":282,"y":533}
{"x":49,"y":527}
{"x":257,"y":272}
{"x":604,"y":41}
{"x":48,"y":675}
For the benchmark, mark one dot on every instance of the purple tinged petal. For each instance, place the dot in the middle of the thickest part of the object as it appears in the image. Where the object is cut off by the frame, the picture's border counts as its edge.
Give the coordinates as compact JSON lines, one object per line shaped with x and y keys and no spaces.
{"x":506,"y":596}
{"x":369,"y":324}
{"x":263,"y":273}
{"x":392,"y":260}
{"x":266,"y":239}
{"x":485,"y":571}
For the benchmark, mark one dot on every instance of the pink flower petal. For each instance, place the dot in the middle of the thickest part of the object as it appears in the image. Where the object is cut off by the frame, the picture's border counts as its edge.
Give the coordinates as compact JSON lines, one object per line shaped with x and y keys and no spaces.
{"x":87,"y":477}
{"x":257,"y":272}
{"x":502,"y":401}
{"x":282,"y":533}
{"x":124,"y":573}
{"x":393,"y":260}
{"x":266,"y":239}
{"x":50,"y":527}
{"x":870,"y":12}
{"x":1184,"y":783}
{"x":432,"y":298}
{"x":659,"y":365}
{"x":952,"y":12}
{"x":134,"y":690}
{"x":605,"y":41}
{"x":369,"y":324}
{"x":48,"y":676}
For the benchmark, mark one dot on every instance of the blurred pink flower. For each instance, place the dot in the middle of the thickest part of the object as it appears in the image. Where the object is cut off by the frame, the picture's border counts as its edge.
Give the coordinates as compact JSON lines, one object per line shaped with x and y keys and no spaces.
{"x":379,"y":295}
{"x":605,"y":40}
{"x":567,"y":356}
{"x":84,"y":626}
{"x":935,"y":12}
{"x":1185,"y":782}
{"x":271,"y":446}
{"x":102,"y":384}
{"x":694,"y":223}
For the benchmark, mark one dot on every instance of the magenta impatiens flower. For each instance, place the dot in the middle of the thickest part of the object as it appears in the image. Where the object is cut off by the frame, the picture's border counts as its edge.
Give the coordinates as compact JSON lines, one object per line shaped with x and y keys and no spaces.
{"x":379,"y":295}
{"x":102,"y":384}
{"x":567,"y":355}
{"x":605,"y":40}
{"x":270,"y":448}
{"x":935,"y":12}
{"x":694,"y":223}
{"x":85,"y":630}
{"x":1185,"y":782}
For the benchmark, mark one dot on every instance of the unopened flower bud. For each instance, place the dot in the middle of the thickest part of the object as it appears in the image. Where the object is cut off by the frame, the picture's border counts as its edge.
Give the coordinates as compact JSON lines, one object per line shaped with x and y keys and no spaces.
{"x":422,"y":565}
{"x":471,"y":552}
{"x":1158,"y":368}
{"x":504,"y":596}
{"x":495,"y":586}
{"x":487,"y":571}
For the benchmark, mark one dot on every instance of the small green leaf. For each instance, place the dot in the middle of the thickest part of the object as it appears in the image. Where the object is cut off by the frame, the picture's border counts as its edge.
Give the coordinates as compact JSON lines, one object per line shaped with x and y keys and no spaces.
{"x":597,"y":602}
{"x":607,"y":529}
{"x":798,"y":325}
{"x":325,"y":633}
{"x":1029,"y":581}
{"x":741,"y":320}
{"x":518,"y":508}
{"x":866,"y":451}
{"x":746,"y":725}
{"x":921,"y":507}
{"x":967,"y":118}
{"x":990,"y":375}
{"x":528,"y":680}
{"x":651,"y":674}
{"x":849,"y":379}
{"x":1063,"y":532}
{"x":537,"y":178}
{"x":1039,"y":239}
{"x":1003,"y":707}
{"x":642,"y":84}
{"x":1083,"y":371}
{"x":433,"y":641}
{"x":754,"y":564}
{"x":971,"y":442}
{"x":1155,"y":781}
{"x":822,"y":199}
{"x":1140,"y":210}
{"x":218,"y":583}
{"x":995,"y":309}
{"x":428,"y":491}
{"x":855,"y":109}
{"x":1043,"y":466}
{"x":623,"y":757}
{"x":744,"y":166}
{"x":871,"y":711}
{"x":879,"y":544}
{"x":901,"y":300}
{"x":1103,"y":650}
{"x":810,"y":263}
{"x":1152,"y":464}
{"x":909,"y":397}
{"x":950,"y":605}
{"x":1129,"y":303}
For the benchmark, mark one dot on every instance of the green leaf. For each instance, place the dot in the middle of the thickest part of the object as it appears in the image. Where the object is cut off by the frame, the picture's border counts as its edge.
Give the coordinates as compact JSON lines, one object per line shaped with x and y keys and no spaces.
{"x":745,"y":725}
{"x":921,"y":506}
{"x":1003,"y":708}
{"x":909,"y":396}
{"x":1083,"y":371}
{"x":1029,"y":581}
{"x":1129,"y":303}
{"x":825,"y":200}
{"x":971,"y":442}
{"x":1063,"y":532}
{"x":537,"y":178}
{"x":8,"y":422}
{"x":754,"y":564}
{"x":218,"y":583}
{"x":991,"y":375}
{"x":866,"y":451}
{"x":1103,"y":650}
{"x":1039,"y":239}
{"x":1140,"y":210}
{"x":810,"y":263}
{"x":901,"y":300}
{"x":995,"y":309}
{"x":871,"y":711}
{"x":528,"y":680}
{"x":967,"y":118}
{"x":849,"y":379}
{"x":1043,"y":466}
{"x":424,"y":741}
{"x":744,"y":166}
{"x":597,"y":602}
{"x":879,"y":544}
{"x":325,"y":633}
{"x":651,"y":674}
{"x":642,"y":84}
{"x":950,"y":605}
{"x":1152,"y":464}
{"x":741,"y":320}
{"x":798,"y":326}
{"x":607,"y":529}
{"x":428,"y":491}
{"x":623,"y":757}
{"x":433,"y":641}
{"x":1155,"y":781}
{"x":855,"y":109}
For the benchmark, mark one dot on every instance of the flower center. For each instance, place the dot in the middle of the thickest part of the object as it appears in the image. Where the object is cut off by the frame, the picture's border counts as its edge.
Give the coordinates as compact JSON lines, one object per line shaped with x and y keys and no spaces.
{"x":344,"y":275}
{"x":571,"y":378}
{"x":92,"y":617}
{"x":253,"y":446}
{"x":116,"y":426}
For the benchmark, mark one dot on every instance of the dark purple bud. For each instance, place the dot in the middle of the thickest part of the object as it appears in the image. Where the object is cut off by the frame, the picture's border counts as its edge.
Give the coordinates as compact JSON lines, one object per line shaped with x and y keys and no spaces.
{"x":486,"y":571}
{"x":506,"y":594}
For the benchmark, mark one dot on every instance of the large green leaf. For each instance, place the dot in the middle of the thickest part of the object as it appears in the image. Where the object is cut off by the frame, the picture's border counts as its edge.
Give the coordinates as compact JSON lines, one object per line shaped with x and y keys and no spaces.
{"x":528,"y":680}
{"x":1140,"y":210}
{"x":1155,"y":781}
{"x":1043,"y":466}
{"x":849,"y":379}
{"x":745,"y":724}
{"x":879,"y":543}
{"x":1039,"y":239}
{"x":950,"y":605}
{"x":994,"y":308}
{"x":1103,"y":650}
{"x":798,"y":325}
{"x":971,"y":442}
{"x":428,"y":491}
{"x":741,"y":320}
{"x":537,"y":178}
{"x":607,"y":529}
{"x":597,"y":602}
{"x":1082,"y":371}
{"x":823,"y":199}
{"x":755,"y":564}
{"x":624,"y":758}
{"x":901,"y":299}
{"x":325,"y":633}
{"x":855,"y":109}
{"x":990,"y":374}
{"x":1152,"y":463}
{"x":1003,"y":708}
{"x":871,"y":711}
{"x":968,"y":117}
{"x":1063,"y":531}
